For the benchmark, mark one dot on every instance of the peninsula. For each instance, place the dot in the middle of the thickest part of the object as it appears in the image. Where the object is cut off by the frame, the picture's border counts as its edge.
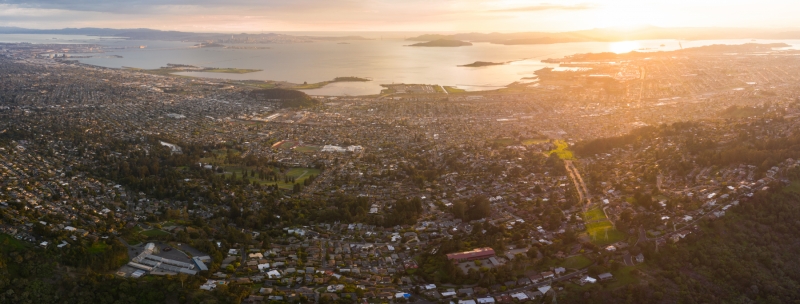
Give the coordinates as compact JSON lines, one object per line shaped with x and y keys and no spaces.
{"x":177,"y":68}
{"x":317,"y":85}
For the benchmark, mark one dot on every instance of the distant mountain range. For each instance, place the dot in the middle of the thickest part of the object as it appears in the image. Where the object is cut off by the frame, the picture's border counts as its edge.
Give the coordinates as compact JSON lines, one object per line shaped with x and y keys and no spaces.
{"x":149,"y":34}
{"x":615,"y":34}
{"x":592,"y":35}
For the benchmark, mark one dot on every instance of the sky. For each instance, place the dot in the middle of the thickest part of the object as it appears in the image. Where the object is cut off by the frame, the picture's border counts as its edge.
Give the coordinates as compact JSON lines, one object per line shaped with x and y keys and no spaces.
{"x":396,"y":15}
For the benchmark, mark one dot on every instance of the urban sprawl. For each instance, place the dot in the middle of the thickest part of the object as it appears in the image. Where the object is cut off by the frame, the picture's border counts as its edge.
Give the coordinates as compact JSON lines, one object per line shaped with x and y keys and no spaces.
{"x":423,"y":193}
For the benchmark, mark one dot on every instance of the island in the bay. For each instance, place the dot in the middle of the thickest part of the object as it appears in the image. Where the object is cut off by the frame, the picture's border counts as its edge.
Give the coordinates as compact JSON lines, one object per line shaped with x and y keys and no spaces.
{"x":443,"y":43}
{"x":478,"y":64}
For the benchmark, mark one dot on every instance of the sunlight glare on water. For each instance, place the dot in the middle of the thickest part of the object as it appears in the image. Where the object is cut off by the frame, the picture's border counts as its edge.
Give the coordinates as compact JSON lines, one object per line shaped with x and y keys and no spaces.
{"x":623,"y":46}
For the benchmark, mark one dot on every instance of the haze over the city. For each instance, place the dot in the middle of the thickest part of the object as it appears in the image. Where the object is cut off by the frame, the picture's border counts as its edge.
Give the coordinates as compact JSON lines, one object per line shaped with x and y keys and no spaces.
{"x":399,"y":151}
{"x":389,"y":15}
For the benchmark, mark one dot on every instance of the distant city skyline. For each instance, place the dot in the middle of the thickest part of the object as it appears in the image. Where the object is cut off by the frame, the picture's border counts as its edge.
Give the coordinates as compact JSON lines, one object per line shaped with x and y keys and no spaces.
{"x":385,"y":15}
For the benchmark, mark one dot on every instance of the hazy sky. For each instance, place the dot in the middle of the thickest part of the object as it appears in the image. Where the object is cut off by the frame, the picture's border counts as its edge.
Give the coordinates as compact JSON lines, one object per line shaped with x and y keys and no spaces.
{"x":396,"y":15}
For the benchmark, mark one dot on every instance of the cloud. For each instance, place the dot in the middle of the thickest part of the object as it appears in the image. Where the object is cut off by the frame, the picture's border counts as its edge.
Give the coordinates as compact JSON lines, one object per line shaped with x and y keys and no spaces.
{"x":155,"y":6}
{"x":547,"y":7}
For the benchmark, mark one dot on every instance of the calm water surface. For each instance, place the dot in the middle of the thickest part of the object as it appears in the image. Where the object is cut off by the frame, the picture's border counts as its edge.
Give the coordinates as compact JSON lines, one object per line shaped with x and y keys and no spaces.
{"x":384,"y":61}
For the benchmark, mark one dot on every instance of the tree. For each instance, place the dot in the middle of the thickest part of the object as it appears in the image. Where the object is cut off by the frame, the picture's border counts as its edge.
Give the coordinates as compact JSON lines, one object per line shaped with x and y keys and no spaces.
{"x":478,"y":207}
{"x":459,"y":210}
{"x":182,"y":277}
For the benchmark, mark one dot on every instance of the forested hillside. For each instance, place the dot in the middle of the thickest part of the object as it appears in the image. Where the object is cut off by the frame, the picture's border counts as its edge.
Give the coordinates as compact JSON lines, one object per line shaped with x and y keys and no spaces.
{"x":748,"y":256}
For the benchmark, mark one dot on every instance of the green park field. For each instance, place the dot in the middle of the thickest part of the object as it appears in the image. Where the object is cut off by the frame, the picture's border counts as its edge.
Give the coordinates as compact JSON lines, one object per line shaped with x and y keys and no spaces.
{"x":594,"y":214}
{"x":577,"y":262}
{"x":7,"y":241}
{"x":154,"y":233}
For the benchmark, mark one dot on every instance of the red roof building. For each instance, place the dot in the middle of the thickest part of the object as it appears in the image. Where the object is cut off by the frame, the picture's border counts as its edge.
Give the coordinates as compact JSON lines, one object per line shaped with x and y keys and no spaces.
{"x":474,"y":254}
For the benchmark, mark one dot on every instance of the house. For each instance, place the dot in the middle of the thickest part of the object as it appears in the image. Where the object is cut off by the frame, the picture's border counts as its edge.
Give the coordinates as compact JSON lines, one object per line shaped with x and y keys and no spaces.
{"x":560,"y":270}
{"x":520,"y":296}
{"x":588,"y":279}
{"x":605,"y":276}
{"x":254,"y":299}
{"x":475,"y":254}
{"x":486,"y":300}
{"x":544,"y":289}
{"x":533,"y":294}
{"x":640,"y":258}
{"x":274,"y":274}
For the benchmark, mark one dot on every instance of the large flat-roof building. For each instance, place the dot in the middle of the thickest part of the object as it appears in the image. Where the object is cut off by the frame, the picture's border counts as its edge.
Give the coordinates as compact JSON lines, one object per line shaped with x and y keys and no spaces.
{"x":474,"y":254}
{"x":200,"y":265}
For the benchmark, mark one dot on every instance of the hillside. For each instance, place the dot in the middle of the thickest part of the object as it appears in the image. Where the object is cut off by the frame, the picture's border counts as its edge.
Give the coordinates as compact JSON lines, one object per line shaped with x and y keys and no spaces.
{"x":286,"y":98}
{"x":748,"y":256}
{"x":614,"y":34}
{"x":150,"y":34}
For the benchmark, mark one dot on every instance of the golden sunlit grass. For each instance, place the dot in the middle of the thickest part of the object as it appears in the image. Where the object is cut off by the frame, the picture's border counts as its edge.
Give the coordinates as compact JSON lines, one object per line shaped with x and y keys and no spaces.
{"x":603,"y":233}
{"x":562,"y":150}
{"x":594,"y":214}
{"x":528,"y":142}
{"x":600,"y":229}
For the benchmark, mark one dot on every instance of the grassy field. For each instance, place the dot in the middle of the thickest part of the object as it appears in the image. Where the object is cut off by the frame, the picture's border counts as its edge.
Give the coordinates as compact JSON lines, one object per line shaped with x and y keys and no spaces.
{"x":287,"y":144}
{"x":594,"y":214}
{"x":528,"y":142}
{"x":562,"y":150}
{"x":454,"y":90}
{"x":598,"y":227}
{"x":221,"y":155}
{"x":623,"y":277}
{"x":597,"y":233}
{"x":154,"y":233}
{"x":307,"y":149}
{"x":576,"y":262}
{"x":7,"y":241}
{"x":505,"y":141}
{"x":302,"y":174}
{"x":299,"y":174}
{"x":98,"y":247}
{"x":230,"y":169}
